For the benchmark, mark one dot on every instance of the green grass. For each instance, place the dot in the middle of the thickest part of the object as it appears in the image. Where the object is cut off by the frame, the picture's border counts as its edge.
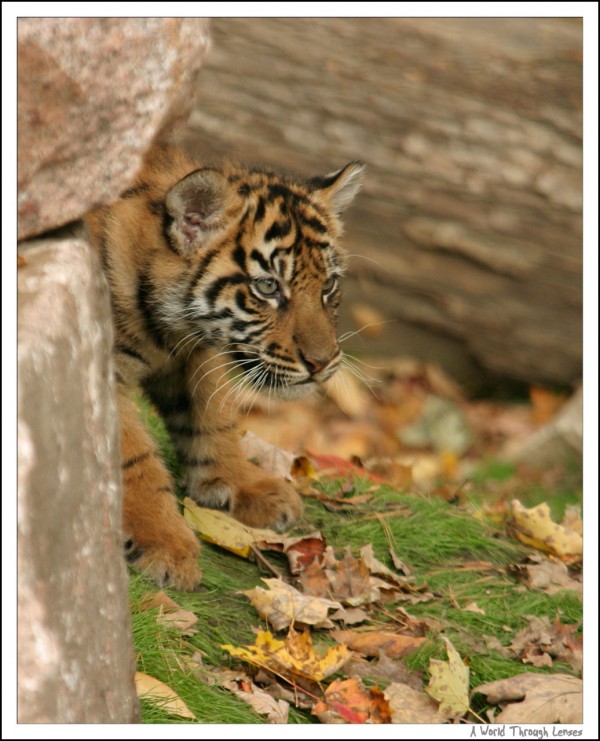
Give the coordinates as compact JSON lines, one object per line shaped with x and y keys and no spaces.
{"x":433,"y":537}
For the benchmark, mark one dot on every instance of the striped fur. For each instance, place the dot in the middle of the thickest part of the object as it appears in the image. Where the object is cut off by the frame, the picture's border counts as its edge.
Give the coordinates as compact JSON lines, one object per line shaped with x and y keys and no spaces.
{"x":215,"y":271}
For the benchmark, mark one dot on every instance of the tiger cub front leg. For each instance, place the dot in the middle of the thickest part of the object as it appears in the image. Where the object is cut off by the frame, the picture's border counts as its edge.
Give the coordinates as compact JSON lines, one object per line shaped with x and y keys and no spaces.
{"x":203,"y":426}
{"x":158,"y":541}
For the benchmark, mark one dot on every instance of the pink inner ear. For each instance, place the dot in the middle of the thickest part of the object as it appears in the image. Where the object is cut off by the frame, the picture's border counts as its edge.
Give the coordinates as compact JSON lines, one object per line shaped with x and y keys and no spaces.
{"x":190,"y":225}
{"x":193,"y":219}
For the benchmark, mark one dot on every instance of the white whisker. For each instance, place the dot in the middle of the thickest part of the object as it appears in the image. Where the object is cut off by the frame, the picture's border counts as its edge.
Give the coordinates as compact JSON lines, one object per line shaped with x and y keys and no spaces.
{"x":360,"y":375}
{"x":363,"y":257}
{"x":347,"y":335}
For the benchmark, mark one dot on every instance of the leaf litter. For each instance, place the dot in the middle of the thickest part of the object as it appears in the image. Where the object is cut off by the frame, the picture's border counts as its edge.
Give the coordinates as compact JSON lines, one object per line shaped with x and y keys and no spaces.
{"x":349,"y":589}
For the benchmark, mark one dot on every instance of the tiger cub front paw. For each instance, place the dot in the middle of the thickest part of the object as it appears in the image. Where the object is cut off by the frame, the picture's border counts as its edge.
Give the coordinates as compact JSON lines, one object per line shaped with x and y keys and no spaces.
{"x":251,"y":496}
{"x":267,"y":502}
{"x":169,"y":564}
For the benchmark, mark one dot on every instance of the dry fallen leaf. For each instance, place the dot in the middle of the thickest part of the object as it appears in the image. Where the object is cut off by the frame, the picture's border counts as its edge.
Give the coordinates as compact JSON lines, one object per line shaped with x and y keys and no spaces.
{"x":534,"y":527}
{"x":349,"y":701}
{"x":222,"y":530}
{"x":170,"y":613}
{"x":281,"y":689}
{"x":352,"y":581}
{"x":536,"y":698}
{"x":381,"y":570}
{"x":374,"y":643}
{"x":282,"y":605}
{"x":410,"y":705}
{"x":292,"y":657}
{"x":399,"y":565}
{"x":273,"y":459}
{"x":385,"y":670}
{"x":301,"y":551}
{"x":241,"y":685}
{"x":541,"y":641}
{"x":158,"y":693}
{"x":538,"y":572}
{"x":264,"y":703}
{"x":350,"y":615}
{"x":416,"y":626}
{"x":449,"y":683}
{"x":473,"y":607}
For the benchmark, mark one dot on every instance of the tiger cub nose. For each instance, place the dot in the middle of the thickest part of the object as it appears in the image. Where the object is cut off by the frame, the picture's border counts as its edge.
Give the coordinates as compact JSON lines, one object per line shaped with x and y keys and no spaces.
{"x":314,"y":364}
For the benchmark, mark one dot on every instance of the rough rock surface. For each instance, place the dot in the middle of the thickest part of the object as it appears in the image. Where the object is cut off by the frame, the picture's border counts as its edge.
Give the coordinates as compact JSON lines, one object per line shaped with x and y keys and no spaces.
{"x":92,"y":94}
{"x":74,"y":645}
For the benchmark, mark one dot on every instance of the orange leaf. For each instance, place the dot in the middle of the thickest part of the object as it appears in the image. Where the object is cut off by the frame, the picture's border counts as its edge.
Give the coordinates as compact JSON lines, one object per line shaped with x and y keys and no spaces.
{"x":353,"y":702}
{"x":373,"y":643}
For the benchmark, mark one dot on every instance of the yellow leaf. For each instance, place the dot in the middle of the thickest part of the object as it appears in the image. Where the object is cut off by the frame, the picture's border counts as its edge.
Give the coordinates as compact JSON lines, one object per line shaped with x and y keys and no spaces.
{"x":535,"y":528}
{"x":282,"y":605}
{"x":292,"y":657}
{"x":160,"y":694}
{"x":302,"y":467}
{"x":449,"y":683}
{"x":222,"y":530}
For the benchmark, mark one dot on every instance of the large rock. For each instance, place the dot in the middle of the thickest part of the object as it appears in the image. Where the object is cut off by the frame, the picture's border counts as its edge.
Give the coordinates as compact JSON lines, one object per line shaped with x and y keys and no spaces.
{"x":92,"y":94}
{"x":75,"y":657}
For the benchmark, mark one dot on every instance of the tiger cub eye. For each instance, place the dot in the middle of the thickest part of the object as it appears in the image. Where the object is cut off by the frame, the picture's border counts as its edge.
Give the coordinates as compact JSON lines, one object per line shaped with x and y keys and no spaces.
{"x":330,"y":285}
{"x":267,"y":286}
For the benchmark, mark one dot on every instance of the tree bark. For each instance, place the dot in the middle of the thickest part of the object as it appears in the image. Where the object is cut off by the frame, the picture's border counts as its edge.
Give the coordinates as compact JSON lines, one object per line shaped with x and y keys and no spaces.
{"x":470,"y":220}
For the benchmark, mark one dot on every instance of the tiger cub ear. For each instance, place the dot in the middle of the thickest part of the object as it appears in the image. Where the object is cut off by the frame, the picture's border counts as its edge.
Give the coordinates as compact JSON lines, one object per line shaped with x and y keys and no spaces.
{"x":196,"y":205}
{"x":340,"y":187}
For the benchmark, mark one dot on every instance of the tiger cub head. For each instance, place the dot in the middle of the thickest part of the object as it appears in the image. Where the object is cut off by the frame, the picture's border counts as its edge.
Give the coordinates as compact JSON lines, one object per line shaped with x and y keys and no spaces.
{"x":266,"y":269}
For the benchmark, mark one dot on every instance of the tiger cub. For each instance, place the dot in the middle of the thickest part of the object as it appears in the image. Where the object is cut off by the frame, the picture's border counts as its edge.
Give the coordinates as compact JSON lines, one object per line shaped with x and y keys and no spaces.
{"x":209,"y":270}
